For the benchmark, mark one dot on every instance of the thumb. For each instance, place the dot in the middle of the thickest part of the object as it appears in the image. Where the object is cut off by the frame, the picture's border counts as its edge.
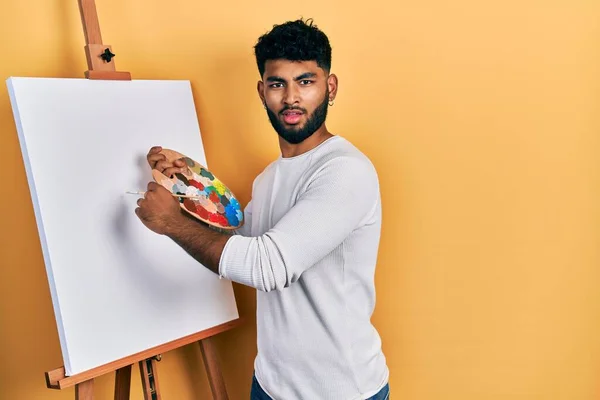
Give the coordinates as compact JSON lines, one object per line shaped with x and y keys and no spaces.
{"x":179,"y":163}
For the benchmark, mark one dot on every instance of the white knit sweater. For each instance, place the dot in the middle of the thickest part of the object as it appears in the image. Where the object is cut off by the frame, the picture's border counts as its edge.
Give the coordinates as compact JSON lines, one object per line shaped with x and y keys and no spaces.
{"x":309,"y":245}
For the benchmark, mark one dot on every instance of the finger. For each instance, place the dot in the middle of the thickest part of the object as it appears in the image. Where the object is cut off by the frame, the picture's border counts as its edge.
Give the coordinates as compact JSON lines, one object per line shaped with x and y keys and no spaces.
{"x":152,"y":153}
{"x":155,"y":150}
{"x":173,"y":170}
{"x":153,"y":159}
{"x":141,"y":214}
{"x":162,"y":165}
{"x":152,"y":186}
{"x":139,"y":202}
{"x":179,"y":163}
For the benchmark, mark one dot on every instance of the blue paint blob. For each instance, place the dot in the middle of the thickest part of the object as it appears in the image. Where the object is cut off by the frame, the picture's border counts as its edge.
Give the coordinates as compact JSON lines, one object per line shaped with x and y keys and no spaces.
{"x":234,"y":203}
{"x":231,"y":215}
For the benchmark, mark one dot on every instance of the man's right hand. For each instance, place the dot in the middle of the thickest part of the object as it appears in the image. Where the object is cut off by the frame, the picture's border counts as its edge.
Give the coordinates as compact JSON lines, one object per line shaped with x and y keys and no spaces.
{"x":159,"y":162}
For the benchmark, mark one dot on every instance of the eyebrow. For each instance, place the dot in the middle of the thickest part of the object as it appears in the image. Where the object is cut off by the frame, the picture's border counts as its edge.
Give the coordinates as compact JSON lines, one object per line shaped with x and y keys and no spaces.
{"x":305,"y":75}
{"x":298,"y":78}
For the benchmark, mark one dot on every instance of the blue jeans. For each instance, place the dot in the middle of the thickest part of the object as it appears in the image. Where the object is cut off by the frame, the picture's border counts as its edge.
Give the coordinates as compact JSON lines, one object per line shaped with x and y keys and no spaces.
{"x":257,"y":393}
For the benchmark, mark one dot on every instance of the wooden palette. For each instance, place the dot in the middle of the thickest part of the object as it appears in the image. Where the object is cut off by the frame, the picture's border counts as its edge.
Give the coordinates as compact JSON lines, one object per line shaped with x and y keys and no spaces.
{"x":214,"y":203}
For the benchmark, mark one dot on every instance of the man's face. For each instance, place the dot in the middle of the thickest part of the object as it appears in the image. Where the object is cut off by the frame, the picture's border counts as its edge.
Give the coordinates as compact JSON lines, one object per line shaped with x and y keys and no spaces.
{"x":296,"y":95}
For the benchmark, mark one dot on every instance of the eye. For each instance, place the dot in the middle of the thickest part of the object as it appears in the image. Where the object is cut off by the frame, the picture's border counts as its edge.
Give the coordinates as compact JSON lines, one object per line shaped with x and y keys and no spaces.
{"x":305,"y":82}
{"x":276,"y":85}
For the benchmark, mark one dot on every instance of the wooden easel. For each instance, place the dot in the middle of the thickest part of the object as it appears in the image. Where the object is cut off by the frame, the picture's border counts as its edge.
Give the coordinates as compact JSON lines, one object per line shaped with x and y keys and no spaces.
{"x":146,"y":360}
{"x":101,"y":66}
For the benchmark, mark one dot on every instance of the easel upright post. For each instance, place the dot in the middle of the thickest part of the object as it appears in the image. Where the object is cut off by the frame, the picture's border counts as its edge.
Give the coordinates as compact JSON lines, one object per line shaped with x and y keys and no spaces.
{"x":211,"y":364}
{"x":85,"y":390}
{"x":99,"y":56}
{"x":123,"y":383}
{"x":149,"y":377}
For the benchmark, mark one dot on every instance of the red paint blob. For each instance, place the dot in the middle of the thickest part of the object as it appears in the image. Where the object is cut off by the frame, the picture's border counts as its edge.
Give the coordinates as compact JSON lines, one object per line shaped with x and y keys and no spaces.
{"x":213,"y":217}
{"x":201,"y":211}
{"x":189,"y":205}
{"x":196,"y":184}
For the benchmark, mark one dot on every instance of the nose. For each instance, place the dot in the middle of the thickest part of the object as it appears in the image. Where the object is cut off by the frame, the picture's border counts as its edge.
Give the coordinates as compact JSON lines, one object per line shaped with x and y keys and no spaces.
{"x":292,"y":95}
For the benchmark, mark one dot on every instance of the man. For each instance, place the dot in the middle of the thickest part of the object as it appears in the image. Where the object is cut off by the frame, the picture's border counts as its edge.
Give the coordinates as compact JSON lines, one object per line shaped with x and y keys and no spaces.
{"x":311,"y":235}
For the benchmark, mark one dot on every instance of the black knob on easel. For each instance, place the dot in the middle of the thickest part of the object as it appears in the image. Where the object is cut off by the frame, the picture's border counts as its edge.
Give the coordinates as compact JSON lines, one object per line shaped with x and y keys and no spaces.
{"x":107,"y":55}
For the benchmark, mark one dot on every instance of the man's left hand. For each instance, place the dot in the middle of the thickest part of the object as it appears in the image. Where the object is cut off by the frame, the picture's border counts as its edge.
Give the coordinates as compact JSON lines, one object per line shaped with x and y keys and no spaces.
{"x":159,"y":210}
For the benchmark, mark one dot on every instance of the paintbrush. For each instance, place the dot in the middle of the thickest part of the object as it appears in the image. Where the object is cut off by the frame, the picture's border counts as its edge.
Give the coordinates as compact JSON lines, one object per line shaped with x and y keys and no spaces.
{"x":175,"y":195}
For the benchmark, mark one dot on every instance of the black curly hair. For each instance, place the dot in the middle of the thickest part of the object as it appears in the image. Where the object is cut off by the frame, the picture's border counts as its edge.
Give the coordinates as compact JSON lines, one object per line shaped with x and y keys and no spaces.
{"x":297,"y":40}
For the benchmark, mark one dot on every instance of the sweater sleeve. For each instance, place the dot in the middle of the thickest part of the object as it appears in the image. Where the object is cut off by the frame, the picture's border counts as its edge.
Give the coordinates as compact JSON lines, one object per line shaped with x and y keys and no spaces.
{"x":341,"y":194}
{"x":244,"y":230}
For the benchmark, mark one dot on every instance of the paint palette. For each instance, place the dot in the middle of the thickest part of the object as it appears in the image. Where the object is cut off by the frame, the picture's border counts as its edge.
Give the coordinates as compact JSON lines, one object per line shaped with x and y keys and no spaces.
{"x":212,"y":202}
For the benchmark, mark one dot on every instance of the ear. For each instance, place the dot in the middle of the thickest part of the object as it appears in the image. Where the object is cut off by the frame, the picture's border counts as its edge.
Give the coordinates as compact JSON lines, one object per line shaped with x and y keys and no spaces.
{"x":260,"y":86}
{"x":332,"y":84}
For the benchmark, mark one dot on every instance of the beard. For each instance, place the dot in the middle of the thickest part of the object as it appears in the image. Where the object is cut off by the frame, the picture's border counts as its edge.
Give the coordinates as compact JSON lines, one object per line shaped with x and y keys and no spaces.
{"x":298,"y":135}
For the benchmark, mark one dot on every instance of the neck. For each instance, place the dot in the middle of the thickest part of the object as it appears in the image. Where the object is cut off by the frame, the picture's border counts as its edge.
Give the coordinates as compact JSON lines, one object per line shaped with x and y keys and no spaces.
{"x":292,"y":150}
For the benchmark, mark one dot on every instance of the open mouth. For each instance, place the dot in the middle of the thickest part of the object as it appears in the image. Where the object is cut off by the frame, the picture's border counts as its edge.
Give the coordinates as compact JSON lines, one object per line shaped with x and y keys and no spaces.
{"x":292,"y":116}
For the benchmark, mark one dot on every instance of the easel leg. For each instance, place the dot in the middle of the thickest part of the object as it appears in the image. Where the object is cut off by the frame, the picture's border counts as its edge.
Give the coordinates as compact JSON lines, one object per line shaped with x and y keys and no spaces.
{"x":123,"y":383}
{"x":149,"y":379}
{"x":211,"y":363}
{"x":85,"y":390}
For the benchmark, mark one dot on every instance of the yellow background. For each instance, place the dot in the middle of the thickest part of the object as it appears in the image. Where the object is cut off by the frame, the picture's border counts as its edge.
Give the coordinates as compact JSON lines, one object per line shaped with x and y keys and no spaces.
{"x":483,"y":121}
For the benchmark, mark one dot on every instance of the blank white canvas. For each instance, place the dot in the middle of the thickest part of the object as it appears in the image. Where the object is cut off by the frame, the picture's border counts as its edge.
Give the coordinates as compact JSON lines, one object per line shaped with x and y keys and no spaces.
{"x":117,"y":288}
